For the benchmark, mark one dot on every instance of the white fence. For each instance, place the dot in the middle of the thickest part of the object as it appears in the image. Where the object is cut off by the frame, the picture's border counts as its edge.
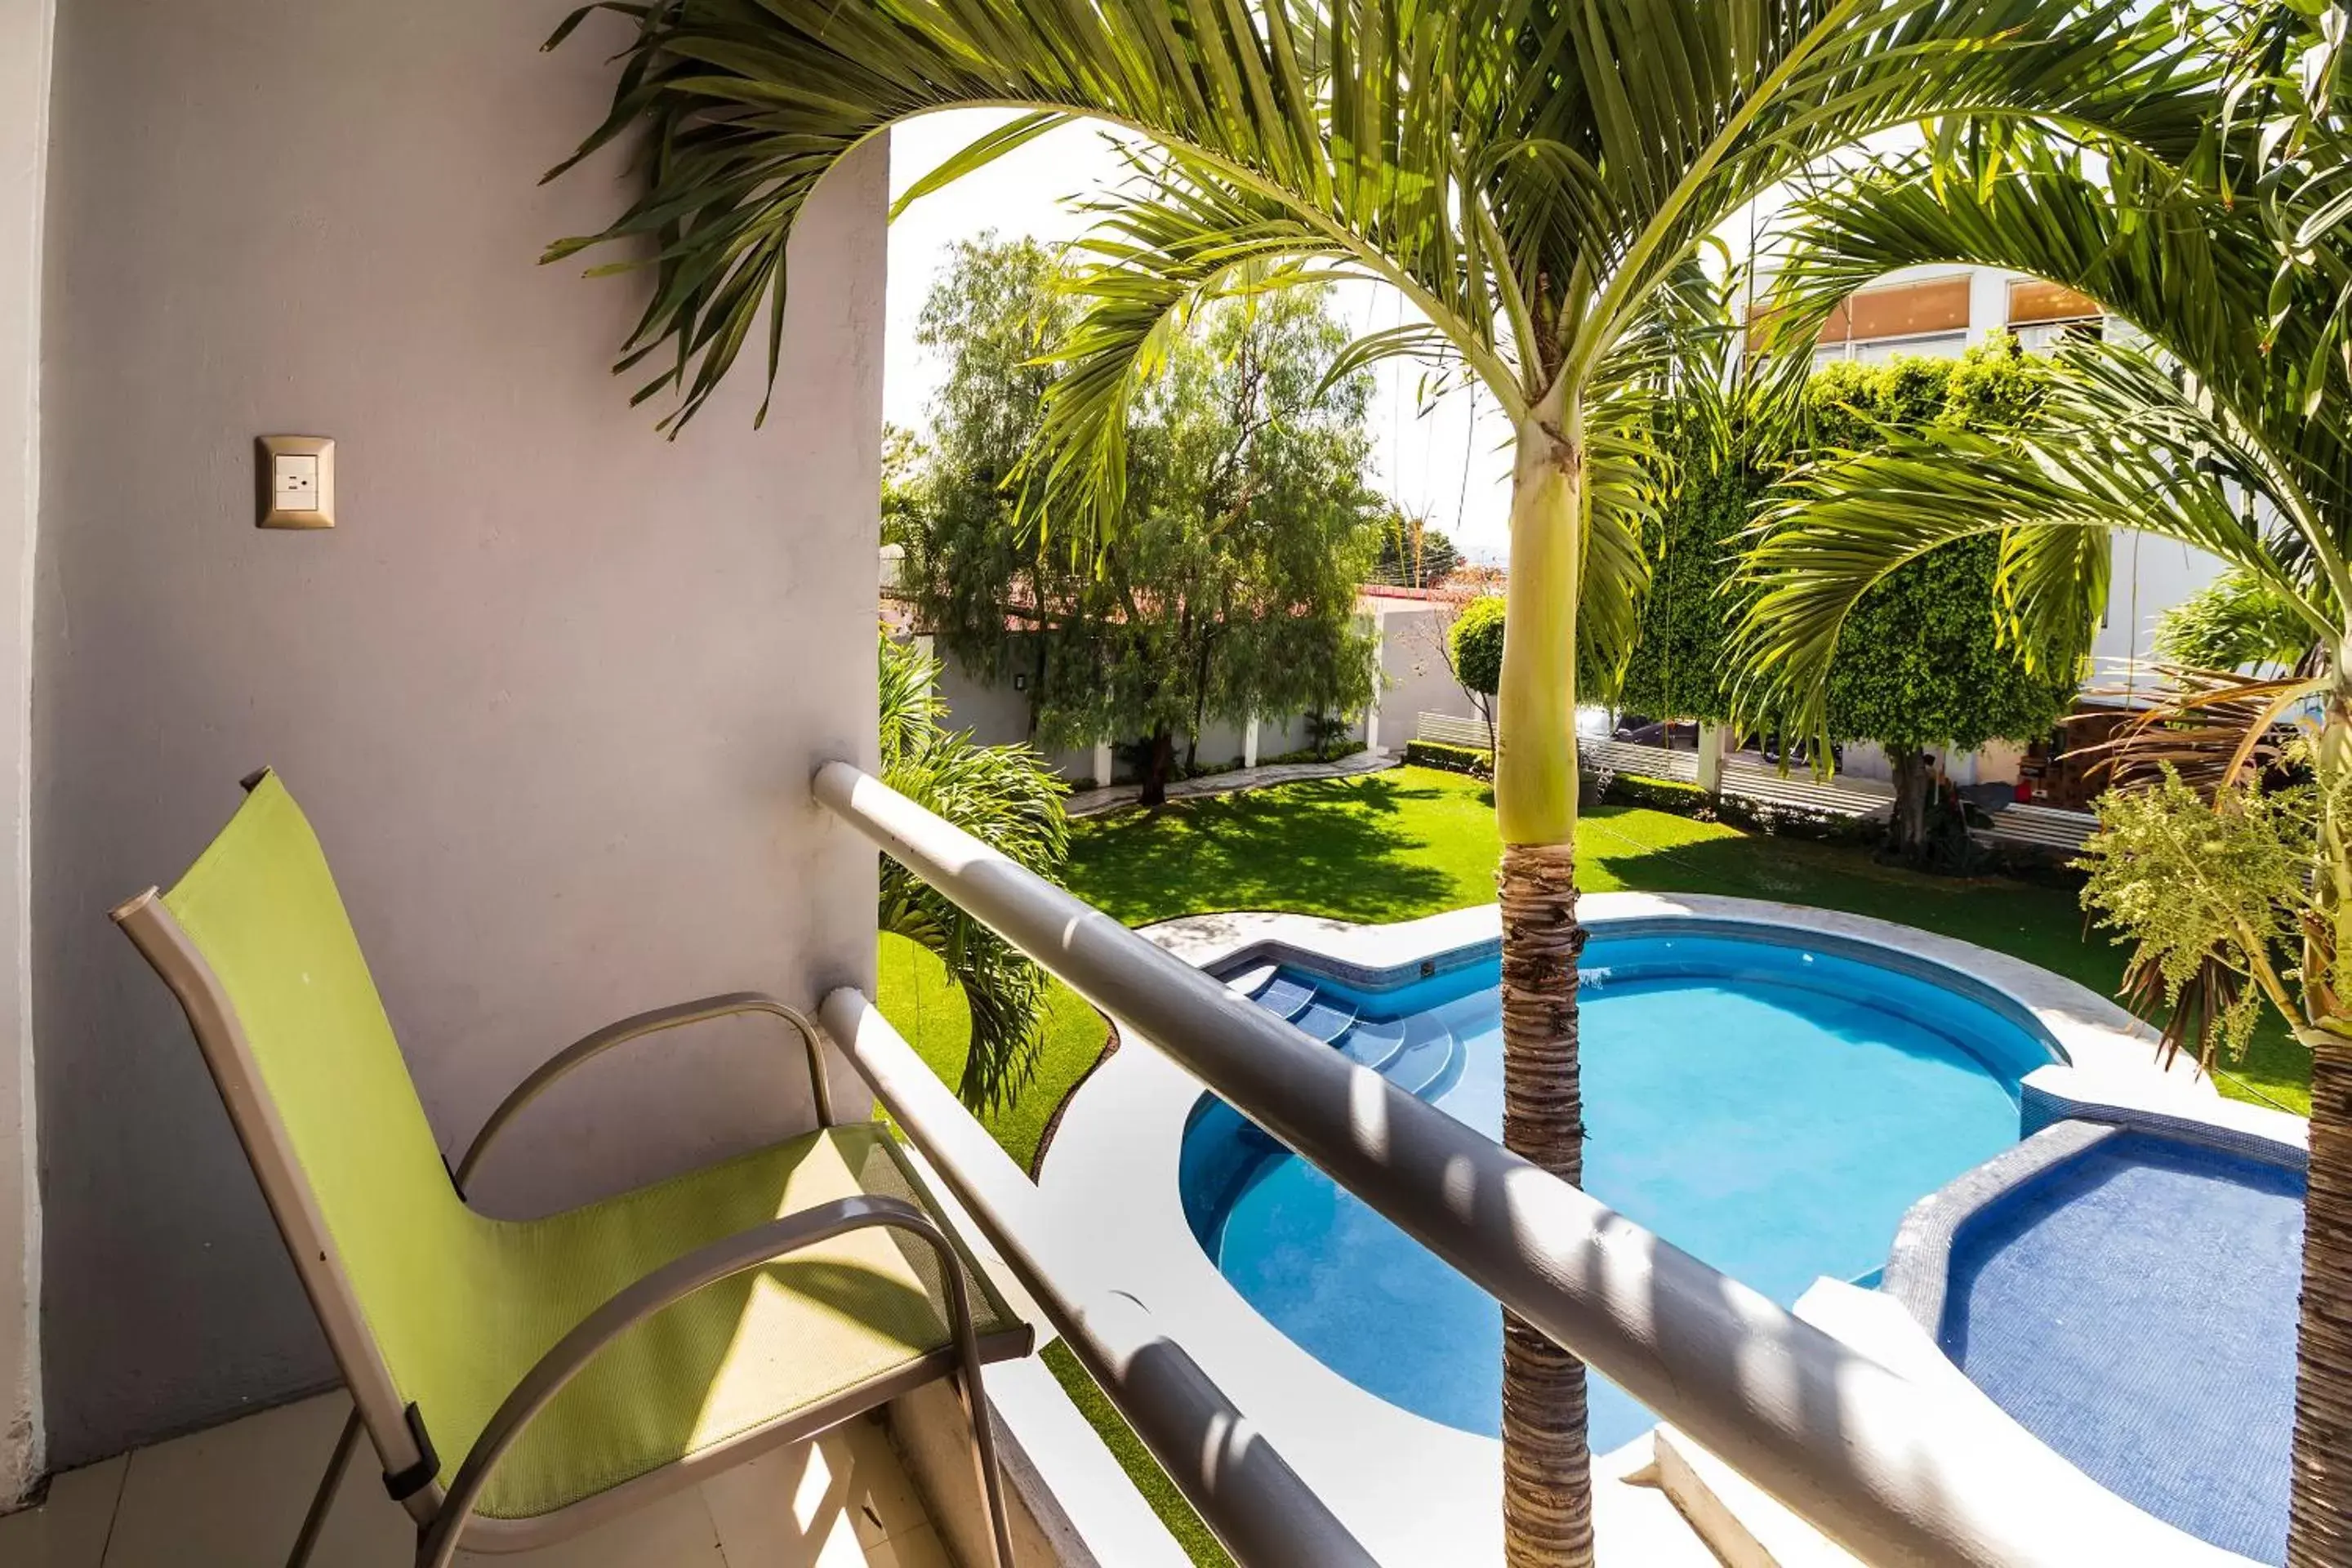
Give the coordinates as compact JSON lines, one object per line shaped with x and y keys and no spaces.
{"x":1759,"y":782}
{"x":1803,"y":792}
{"x":1642,"y":762}
{"x":1445,"y":730}
{"x":2040,"y":827}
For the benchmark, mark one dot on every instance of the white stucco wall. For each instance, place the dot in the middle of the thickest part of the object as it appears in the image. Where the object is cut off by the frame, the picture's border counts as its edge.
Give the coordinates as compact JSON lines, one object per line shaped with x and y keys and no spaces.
{"x":996,"y":715}
{"x":2146,"y":576}
{"x":1413,"y":672}
{"x":551,"y":691}
{"x":24,"y":33}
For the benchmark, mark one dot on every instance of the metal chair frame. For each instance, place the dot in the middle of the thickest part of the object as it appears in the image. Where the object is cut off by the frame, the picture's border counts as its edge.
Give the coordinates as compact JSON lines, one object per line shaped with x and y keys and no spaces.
{"x":446,"y":1519}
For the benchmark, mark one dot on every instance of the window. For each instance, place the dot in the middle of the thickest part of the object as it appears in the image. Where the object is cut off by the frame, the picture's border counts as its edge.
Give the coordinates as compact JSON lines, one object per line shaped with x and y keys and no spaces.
{"x":2042,"y":337}
{"x":2044,"y":315}
{"x":1881,"y":350}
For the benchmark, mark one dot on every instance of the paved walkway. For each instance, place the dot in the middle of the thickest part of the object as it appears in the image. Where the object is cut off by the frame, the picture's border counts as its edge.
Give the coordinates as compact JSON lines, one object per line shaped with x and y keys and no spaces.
{"x":1094,"y":802}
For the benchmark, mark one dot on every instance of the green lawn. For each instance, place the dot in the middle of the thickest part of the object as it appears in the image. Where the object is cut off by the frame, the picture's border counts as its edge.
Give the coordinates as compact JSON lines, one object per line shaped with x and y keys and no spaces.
{"x":924,"y":1004}
{"x":1412,"y":841}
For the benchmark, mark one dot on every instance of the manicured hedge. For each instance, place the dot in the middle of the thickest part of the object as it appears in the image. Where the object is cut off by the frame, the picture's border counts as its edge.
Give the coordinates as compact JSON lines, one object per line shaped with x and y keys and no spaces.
{"x":1659,"y":795}
{"x":1471,"y":760}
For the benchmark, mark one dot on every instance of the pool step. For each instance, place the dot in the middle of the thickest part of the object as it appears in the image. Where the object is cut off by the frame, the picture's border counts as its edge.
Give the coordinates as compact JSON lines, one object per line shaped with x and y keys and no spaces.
{"x":1324,"y":1020}
{"x":1428,"y":1052}
{"x":1252,"y":980}
{"x":1373,"y":1045}
{"x":1283,"y":996}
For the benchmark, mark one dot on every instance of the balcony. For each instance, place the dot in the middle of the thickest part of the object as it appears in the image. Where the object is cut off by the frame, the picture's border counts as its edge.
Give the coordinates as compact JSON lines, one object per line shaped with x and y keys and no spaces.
{"x":1777,"y":1429}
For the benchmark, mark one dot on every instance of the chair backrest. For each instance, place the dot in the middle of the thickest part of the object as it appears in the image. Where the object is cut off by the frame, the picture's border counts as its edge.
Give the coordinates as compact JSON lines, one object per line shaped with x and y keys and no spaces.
{"x":256,"y":943}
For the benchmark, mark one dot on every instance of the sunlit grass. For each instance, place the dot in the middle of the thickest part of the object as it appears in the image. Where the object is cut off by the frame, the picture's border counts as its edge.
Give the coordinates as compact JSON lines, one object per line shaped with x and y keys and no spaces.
{"x":1412,"y":841}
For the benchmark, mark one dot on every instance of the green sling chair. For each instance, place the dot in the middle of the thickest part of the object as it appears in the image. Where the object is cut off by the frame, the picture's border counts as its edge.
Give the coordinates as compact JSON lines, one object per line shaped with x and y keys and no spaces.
{"x":522,"y":1380}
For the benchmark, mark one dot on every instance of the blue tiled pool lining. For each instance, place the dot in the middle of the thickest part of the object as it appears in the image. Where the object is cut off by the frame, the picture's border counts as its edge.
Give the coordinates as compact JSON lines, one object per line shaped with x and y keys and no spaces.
{"x":1769,"y":1105}
{"x":2125,"y":1290}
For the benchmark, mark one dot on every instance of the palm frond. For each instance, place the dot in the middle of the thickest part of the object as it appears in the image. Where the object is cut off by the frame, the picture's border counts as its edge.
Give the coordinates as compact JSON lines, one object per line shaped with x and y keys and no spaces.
{"x":1163,"y":246}
{"x":1008,"y":798}
{"x":1530,"y":172}
{"x":1733,"y":99}
{"x":2190,"y":275}
{"x":2213,"y":728}
{"x":2233,"y":622}
{"x":2118,"y":441}
{"x":983,"y":151}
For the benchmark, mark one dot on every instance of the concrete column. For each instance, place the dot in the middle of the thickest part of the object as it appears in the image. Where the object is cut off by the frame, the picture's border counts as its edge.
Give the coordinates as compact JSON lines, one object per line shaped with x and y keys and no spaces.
{"x":25,"y":34}
{"x":1988,"y":303}
{"x":1249,"y":743}
{"x":1710,"y":758}
{"x":1102,"y":763}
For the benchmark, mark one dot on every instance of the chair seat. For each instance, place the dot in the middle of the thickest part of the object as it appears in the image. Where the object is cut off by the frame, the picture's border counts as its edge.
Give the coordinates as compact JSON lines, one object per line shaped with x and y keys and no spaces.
{"x":728,"y":1363}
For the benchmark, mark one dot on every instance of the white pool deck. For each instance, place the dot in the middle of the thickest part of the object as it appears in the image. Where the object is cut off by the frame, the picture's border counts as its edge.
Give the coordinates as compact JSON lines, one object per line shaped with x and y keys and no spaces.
{"x":1413,"y":1489}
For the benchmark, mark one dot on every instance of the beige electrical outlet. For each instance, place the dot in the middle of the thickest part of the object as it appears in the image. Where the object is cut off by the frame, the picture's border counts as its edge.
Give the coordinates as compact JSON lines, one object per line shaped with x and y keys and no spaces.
{"x":297,"y":476}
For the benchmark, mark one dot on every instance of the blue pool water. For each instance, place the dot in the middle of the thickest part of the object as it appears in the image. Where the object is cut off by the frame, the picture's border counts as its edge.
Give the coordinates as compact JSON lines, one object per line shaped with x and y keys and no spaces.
{"x":1773,"y":1109}
{"x":2134,"y":1309}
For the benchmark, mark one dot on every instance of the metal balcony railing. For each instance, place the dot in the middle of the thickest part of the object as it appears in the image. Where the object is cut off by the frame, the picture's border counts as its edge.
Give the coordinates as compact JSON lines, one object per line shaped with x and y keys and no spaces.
{"x":1896,"y":1471}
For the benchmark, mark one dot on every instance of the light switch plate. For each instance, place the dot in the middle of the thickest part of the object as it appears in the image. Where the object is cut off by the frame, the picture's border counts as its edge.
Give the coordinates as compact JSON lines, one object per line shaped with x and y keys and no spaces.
{"x":297,"y":476}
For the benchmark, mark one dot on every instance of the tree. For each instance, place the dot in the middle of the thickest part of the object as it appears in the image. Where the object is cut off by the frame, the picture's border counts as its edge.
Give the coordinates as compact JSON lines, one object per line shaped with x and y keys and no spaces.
{"x":1675,"y":668}
{"x":1535,"y":177}
{"x":1412,"y":553}
{"x":1924,"y":659}
{"x":1922,"y":662}
{"x":1228,"y":588}
{"x":1008,"y":798}
{"x":1477,"y":640}
{"x":902,"y":460}
{"x":2202,"y":424}
{"x":2232,"y":623}
{"x":1430,"y":637}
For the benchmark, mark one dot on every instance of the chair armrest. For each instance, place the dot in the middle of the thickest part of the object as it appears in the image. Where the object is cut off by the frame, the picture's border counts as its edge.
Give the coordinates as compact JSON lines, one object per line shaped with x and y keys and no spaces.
{"x":590,"y":1047}
{"x":682,"y":1277}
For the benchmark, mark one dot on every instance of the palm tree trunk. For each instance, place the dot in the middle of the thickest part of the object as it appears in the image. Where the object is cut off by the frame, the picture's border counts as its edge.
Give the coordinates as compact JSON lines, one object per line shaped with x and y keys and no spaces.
{"x":2319,"y":1513}
{"x":2319,"y":1507}
{"x":1547,"y":1466}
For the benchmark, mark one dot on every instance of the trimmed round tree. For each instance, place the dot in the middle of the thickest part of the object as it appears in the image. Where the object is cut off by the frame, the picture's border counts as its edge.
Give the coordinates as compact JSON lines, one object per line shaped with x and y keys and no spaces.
{"x":1478,"y":657}
{"x":1921,"y":663}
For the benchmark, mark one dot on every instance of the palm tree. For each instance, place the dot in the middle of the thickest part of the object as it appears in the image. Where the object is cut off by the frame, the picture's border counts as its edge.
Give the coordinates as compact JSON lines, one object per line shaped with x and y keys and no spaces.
{"x":2203,"y":423}
{"x":1007,"y":797}
{"x":1535,"y":176}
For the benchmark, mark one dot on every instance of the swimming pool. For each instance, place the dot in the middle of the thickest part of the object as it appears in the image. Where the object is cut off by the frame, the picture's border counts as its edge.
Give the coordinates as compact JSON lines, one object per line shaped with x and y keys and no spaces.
{"x":1773,"y":1106}
{"x":2129,"y":1295}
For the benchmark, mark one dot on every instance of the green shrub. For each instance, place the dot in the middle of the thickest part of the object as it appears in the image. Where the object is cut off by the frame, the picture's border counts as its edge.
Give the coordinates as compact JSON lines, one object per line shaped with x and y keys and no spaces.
{"x":1477,"y":638}
{"x":1343,"y":747}
{"x":1472,"y":760}
{"x":1660,"y":795}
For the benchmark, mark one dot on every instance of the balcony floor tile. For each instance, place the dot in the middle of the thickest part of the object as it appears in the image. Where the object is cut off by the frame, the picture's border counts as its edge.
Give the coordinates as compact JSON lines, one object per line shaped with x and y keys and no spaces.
{"x":234,"y":1495}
